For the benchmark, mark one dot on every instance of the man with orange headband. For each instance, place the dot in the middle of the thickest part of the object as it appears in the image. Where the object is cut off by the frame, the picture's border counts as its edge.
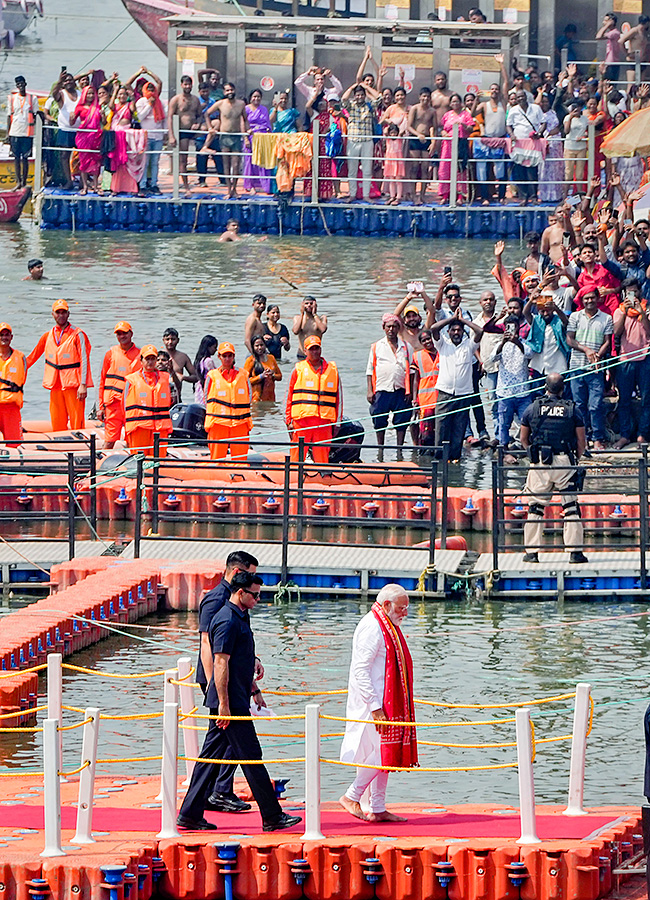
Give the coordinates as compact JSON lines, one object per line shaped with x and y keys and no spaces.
{"x":67,"y":373}
{"x":314,"y":402}
{"x":147,"y":397}
{"x":121,"y":360}
{"x":13,"y":373}
{"x":228,"y":407}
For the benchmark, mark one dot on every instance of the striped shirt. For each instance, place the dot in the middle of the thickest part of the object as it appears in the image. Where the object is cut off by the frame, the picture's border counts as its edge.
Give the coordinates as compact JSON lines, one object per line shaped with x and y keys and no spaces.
{"x":590,"y":332}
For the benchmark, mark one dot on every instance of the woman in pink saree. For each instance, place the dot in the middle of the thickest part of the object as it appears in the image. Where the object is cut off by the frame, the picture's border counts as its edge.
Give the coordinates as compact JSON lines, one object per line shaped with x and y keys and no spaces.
{"x":456,"y":114}
{"x":88,"y":141}
{"x":128,"y":156}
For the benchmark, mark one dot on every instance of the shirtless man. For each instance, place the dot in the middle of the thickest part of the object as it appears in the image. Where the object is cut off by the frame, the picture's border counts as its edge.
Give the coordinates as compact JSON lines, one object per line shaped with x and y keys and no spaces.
{"x":254,"y":326}
{"x":232,"y":123}
{"x":637,"y":38}
{"x":410,"y":317}
{"x":558,"y":222}
{"x":441,"y":96}
{"x":231,"y":233}
{"x":180,"y":361}
{"x":308,"y":322}
{"x":35,"y":269}
{"x":188,"y":109}
{"x":422,"y":126}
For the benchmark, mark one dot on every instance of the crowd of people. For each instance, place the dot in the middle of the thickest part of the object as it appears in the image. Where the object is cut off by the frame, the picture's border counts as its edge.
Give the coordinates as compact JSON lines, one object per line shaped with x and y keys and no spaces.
{"x":575,"y":306}
{"x":524,"y":140}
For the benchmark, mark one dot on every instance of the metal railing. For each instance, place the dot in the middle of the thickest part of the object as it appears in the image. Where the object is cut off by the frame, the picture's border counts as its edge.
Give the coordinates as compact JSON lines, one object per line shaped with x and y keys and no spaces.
{"x":623,"y":488}
{"x":448,"y":187}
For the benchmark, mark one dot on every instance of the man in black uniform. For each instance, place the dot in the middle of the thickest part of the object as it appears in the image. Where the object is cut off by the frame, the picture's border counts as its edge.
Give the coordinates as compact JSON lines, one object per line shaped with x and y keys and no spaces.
{"x":553,"y":432}
{"x":229,"y":693}
{"x":222,"y":797}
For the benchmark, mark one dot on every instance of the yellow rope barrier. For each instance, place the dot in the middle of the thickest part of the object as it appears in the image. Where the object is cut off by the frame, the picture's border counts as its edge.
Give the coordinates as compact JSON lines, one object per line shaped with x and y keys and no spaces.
{"x":255,"y":718}
{"x":467,"y":746}
{"x":33,"y":728}
{"x":21,"y":774}
{"x":13,"y":674}
{"x":76,"y":725}
{"x":112,"y":674}
{"x":496,"y":705}
{"x":562,"y":737}
{"x":337,"y":762}
{"x":23,"y":712}
{"x":75,"y":771}
{"x":73,"y":709}
{"x":242,"y":762}
{"x":506,"y":719}
{"x":131,"y":759}
{"x":183,"y":680}
{"x":131,"y":718}
{"x":305,"y":693}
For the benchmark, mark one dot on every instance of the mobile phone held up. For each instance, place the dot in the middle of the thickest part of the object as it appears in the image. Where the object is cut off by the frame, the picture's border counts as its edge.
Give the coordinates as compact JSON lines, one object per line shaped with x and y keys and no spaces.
{"x":415,"y":287}
{"x":566,"y":240}
{"x":446,"y":270}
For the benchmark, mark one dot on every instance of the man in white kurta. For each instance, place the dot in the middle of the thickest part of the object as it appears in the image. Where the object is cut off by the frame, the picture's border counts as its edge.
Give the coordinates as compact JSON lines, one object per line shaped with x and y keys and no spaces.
{"x":362,"y":743}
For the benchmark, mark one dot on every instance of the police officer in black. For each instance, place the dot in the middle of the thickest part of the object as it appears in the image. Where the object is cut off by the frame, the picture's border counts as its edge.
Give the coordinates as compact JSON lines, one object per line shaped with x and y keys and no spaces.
{"x":553,"y":432}
{"x":229,"y":694}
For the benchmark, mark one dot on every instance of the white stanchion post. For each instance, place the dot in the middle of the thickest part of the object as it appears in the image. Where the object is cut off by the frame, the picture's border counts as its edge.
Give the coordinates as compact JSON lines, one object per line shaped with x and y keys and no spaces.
{"x":168,"y":827}
{"x":312,"y":773}
{"x":176,"y":159}
{"x":170,"y":695}
{"x":87,"y":778}
{"x":190,"y":735}
{"x":52,"y":789}
{"x":453,"y":171}
{"x":526,"y":778}
{"x":55,"y":693}
{"x":579,"y":751}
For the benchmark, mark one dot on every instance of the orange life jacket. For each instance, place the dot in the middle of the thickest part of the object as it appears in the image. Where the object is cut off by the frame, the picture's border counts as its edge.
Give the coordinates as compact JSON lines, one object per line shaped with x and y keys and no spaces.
{"x":228,"y":402}
{"x":428,"y":367}
{"x":13,"y":370}
{"x":17,"y":104}
{"x":147,"y":405}
{"x":65,"y":359}
{"x":315,"y":394}
{"x":121,"y":364}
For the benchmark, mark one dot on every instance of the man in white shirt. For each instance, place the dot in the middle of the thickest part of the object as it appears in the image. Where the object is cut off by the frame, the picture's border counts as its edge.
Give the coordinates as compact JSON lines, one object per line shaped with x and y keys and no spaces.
{"x":335,"y":92}
{"x":66,"y":95}
{"x":22,"y":109}
{"x":387,"y":374}
{"x":525,"y":124}
{"x":456,"y":353}
{"x":380,"y":689}
{"x":576,"y":125}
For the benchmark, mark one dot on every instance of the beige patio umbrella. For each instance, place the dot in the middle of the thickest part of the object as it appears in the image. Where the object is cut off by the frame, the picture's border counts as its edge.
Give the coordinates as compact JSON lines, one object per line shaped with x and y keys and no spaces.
{"x":631,"y":137}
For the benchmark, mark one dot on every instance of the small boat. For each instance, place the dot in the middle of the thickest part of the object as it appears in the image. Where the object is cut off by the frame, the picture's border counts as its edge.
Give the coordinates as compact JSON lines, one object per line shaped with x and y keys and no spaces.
{"x":18,"y":14}
{"x":12,"y":203}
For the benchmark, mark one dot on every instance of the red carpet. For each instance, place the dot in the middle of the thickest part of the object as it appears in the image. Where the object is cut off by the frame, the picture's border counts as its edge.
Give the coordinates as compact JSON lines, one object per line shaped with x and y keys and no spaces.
{"x":443,"y":824}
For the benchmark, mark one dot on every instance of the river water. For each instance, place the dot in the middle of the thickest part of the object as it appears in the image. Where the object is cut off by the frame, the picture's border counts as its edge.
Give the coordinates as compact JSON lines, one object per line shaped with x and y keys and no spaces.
{"x":463,"y":653}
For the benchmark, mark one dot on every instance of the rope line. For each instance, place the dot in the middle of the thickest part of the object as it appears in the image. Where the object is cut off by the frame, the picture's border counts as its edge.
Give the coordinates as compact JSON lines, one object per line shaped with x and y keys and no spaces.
{"x":419,"y":724}
{"x":496,"y":705}
{"x":32,"y":729}
{"x":130,"y":759}
{"x":77,"y":770}
{"x":337,"y":762}
{"x":75,"y":725}
{"x":24,"y":671}
{"x":23,"y":712}
{"x":241,"y":762}
{"x":113,"y":674}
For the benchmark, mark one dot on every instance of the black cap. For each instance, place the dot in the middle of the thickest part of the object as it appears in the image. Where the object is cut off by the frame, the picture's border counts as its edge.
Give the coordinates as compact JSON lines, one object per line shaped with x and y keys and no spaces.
{"x":20,"y":78}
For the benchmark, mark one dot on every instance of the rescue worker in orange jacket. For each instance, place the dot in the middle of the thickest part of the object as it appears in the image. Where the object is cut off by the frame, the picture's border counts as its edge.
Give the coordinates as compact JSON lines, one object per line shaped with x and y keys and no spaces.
{"x":13,"y":373}
{"x":228,"y":406}
{"x":67,"y":374}
{"x":424,"y":375}
{"x":147,"y":398}
{"x":121,"y":360}
{"x":314,"y":402}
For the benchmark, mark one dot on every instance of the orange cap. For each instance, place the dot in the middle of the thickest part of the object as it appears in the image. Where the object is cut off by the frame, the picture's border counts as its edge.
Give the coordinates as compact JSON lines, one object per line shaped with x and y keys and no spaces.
{"x":5,"y":327}
{"x":148,"y":350}
{"x":312,"y":341}
{"x":59,"y":304}
{"x":122,"y":326}
{"x":226,"y":347}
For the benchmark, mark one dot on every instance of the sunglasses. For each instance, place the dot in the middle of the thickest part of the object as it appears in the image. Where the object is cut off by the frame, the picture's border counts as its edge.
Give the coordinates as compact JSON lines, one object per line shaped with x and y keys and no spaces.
{"x":252,"y":593}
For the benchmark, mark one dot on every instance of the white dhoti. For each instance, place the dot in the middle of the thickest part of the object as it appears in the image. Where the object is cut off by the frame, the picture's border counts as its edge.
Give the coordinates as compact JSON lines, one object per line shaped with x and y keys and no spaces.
{"x":362,"y":743}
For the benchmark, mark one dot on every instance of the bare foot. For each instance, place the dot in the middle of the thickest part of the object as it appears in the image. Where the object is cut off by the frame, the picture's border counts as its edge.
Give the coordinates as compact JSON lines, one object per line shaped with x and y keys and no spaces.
{"x":384,"y":816}
{"x":353,"y":808}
